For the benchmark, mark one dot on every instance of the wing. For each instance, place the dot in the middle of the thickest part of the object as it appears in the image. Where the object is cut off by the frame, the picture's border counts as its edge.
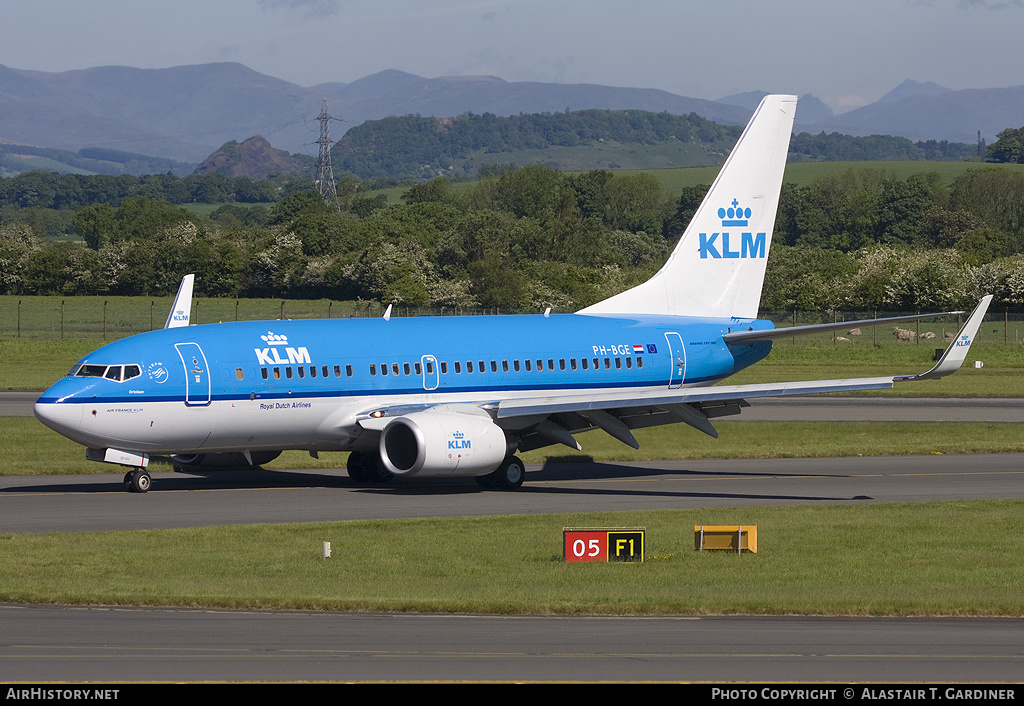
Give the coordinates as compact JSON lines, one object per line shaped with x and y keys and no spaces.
{"x":616,"y":412}
{"x":537,"y":421}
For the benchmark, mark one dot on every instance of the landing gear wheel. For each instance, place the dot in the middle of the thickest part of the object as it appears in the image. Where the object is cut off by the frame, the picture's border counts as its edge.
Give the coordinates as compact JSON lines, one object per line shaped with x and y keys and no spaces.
{"x":511,"y":473}
{"x":139,"y":482}
{"x":128,"y":480}
{"x":366,"y":468}
{"x":487,"y":482}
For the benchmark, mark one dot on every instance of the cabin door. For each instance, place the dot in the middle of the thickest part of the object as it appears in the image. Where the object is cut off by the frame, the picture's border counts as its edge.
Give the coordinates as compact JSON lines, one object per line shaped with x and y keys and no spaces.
{"x":197,"y":374}
{"x":676,"y":351}
{"x":430,"y":374}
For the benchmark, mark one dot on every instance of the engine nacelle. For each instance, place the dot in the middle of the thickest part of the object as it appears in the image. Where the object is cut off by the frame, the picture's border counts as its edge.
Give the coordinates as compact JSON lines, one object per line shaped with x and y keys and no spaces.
{"x":443,"y":442}
{"x":225,"y":460}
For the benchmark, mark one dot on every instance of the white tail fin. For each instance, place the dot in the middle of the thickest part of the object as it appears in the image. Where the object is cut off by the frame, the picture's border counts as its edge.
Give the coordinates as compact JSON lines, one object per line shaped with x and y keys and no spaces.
{"x":717,"y":268}
{"x":181,"y":309}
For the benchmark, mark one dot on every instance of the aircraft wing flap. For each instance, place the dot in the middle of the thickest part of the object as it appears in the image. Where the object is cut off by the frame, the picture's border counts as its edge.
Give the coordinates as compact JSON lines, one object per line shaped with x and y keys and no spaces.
{"x":662,"y":396}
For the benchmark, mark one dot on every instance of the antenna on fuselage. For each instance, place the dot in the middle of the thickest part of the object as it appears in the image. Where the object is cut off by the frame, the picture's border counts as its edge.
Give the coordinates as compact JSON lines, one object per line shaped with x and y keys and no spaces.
{"x":181,"y":310}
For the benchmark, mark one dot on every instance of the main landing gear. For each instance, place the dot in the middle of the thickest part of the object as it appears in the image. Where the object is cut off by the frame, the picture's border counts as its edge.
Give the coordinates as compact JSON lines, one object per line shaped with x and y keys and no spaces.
{"x":366,"y":468}
{"x":508,"y":476}
{"x":137,"y":481}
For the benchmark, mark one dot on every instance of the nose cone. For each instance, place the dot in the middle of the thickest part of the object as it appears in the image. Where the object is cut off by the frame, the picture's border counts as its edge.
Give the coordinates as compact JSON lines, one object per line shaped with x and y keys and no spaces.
{"x":59,"y":409}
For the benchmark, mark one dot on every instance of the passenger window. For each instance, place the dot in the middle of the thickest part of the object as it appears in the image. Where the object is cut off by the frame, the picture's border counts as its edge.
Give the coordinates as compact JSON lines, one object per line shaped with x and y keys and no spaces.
{"x":277,"y":373}
{"x":561,"y":363}
{"x":383,"y":368}
{"x":515,"y":365}
{"x":394,"y":368}
{"x":348,"y":371}
{"x":238,"y":373}
{"x":572,"y":363}
{"x":482,"y":368}
{"x":528,"y":365}
{"x":419,"y":368}
{"x":444,"y":367}
{"x":288,"y":372}
{"x":618,"y":363}
{"x":607,"y":363}
{"x":551,"y":363}
{"x":324,"y":372}
{"x":585,"y":363}
{"x":469,"y":366}
{"x":302,"y":371}
{"x":264,"y":373}
{"x":639,"y":361}
{"x":629,"y":362}
{"x":406,"y":368}
{"x":494,"y":366}
{"x":458,"y":367}
{"x":373,"y":369}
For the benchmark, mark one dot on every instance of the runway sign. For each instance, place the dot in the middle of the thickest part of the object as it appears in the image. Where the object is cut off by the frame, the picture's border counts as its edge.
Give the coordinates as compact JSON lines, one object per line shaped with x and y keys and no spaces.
{"x":603,"y":544}
{"x":733,"y":538}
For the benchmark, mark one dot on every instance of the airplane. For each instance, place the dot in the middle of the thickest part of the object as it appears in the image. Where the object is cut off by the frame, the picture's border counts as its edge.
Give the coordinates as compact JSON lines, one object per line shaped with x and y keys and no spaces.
{"x":460,"y":396}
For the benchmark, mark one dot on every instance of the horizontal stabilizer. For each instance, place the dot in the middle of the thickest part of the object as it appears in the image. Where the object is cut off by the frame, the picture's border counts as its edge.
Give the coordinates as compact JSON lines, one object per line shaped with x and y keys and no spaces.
{"x":739,"y":337}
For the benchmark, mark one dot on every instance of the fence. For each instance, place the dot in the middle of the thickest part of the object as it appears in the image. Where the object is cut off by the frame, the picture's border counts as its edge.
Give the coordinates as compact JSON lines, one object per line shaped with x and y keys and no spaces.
{"x":110,"y":318}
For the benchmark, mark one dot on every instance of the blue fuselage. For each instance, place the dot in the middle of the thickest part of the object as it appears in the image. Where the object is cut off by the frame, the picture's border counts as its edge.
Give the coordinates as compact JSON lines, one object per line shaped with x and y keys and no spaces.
{"x":283,"y":384}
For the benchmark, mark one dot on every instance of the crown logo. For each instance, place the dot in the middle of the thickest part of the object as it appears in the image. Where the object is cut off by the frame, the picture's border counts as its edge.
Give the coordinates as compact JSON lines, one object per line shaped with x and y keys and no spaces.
{"x":734,"y":215}
{"x":457,"y":435}
{"x":275,"y":339}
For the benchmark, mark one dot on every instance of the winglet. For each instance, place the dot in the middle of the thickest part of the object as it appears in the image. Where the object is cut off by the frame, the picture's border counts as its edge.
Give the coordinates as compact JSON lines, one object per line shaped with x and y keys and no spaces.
{"x":957,"y":351}
{"x":181,"y":310}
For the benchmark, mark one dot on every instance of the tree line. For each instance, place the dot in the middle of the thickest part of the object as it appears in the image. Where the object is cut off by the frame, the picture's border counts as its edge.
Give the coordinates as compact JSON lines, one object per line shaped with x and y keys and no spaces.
{"x":525,"y":239}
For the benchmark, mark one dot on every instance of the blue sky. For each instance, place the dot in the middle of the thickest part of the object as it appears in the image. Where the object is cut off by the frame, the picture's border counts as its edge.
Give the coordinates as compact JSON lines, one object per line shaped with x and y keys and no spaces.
{"x":846,"y":52}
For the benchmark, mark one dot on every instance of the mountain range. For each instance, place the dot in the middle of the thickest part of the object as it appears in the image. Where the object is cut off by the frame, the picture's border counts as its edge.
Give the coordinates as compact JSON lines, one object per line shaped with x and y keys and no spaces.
{"x":186,"y":112}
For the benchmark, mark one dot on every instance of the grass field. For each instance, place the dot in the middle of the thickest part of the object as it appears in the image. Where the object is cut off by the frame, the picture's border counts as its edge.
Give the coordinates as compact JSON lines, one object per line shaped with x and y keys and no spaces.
{"x":803,"y":173}
{"x":958,"y":558}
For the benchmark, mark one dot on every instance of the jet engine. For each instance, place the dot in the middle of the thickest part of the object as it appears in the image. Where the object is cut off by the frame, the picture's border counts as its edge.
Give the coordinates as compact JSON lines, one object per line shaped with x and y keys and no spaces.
{"x":225,"y":460}
{"x":443,"y":442}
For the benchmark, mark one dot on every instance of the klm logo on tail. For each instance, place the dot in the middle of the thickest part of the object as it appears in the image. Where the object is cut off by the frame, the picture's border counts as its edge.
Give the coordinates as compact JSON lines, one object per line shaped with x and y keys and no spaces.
{"x":751,"y":245}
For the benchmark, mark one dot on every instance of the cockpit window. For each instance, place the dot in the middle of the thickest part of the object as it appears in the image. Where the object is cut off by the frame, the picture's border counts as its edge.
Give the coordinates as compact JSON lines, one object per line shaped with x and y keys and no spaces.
{"x":117,"y":373}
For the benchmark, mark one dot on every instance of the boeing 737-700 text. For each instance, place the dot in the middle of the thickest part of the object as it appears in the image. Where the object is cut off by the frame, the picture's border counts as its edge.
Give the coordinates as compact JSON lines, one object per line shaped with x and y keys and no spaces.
{"x":458,"y":396}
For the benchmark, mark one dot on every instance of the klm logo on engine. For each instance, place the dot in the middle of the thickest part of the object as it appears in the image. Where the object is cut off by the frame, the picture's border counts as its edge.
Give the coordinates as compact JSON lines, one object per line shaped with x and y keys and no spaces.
{"x":718,"y":246}
{"x":273,"y":355}
{"x":458,"y":441}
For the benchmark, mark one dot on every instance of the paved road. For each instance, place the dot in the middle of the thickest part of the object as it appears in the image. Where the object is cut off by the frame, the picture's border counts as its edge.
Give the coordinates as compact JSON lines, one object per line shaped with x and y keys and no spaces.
{"x":98,"y":502}
{"x":42,"y":643}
